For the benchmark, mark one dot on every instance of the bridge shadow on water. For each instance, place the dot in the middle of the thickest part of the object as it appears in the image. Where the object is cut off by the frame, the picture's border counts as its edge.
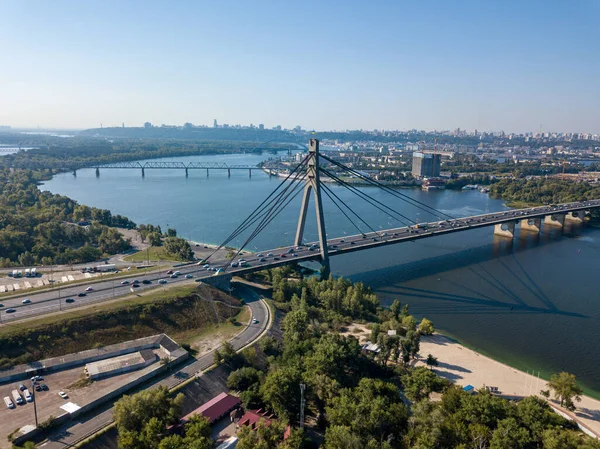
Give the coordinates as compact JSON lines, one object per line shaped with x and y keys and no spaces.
{"x":504,"y":290}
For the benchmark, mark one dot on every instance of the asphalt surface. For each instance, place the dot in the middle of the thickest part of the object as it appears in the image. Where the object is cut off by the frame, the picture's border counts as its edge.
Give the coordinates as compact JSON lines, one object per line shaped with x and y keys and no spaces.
{"x":56,"y":300}
{"x":84,"y":426}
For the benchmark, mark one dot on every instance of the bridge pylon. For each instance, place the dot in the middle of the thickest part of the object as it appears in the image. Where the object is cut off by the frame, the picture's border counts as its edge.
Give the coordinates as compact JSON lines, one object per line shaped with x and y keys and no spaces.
{"x":313,"y":184}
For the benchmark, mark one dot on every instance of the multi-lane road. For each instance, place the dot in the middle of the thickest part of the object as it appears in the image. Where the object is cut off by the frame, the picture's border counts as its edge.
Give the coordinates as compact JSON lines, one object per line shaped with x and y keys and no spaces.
{"x":56,"y":300}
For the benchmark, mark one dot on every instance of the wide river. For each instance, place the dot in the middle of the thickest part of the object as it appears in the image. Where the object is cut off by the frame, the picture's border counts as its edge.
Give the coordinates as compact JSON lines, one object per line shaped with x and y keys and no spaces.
{"x":533,"y":303}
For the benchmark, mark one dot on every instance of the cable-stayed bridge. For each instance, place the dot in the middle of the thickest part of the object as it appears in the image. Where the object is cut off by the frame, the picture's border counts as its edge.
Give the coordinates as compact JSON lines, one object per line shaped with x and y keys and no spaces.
{"x":307,"y":179}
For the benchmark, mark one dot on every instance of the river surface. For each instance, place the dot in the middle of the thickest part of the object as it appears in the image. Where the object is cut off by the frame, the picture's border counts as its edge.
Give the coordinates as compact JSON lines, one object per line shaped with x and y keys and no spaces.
{"x":533,"y":302}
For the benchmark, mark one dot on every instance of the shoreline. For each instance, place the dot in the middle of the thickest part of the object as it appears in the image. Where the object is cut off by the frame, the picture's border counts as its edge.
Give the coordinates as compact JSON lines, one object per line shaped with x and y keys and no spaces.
{"x":465,"y":366}
{"x":513,"y":363}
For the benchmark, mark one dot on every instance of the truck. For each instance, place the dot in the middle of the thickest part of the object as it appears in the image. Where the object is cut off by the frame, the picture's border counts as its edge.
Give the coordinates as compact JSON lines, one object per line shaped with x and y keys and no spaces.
{"x":105,"y":267}
{"x":34,"y":272}
{"x":27,"y":272}
{"x":28,"y":396}
{"x":8,"y":402}
{"x":19,"y":274}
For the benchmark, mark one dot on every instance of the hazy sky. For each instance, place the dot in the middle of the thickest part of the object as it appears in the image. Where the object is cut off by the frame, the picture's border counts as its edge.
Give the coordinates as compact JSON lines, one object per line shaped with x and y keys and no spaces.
{"x":426,"y":64}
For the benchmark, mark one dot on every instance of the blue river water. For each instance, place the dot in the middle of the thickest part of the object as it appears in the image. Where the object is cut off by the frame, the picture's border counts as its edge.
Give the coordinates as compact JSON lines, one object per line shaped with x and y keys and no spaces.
{"x":532,"y":302}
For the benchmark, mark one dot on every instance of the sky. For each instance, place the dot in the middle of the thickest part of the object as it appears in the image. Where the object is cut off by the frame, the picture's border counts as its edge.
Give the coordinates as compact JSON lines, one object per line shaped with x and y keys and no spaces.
{"x":507,"y":65}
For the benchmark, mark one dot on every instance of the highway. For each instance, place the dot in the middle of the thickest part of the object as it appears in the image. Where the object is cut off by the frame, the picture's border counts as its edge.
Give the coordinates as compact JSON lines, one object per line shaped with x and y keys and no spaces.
{"x":54,"y":301}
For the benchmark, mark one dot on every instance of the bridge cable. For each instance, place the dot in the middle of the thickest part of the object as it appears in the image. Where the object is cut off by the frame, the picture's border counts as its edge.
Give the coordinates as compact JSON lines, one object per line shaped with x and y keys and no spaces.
{"x":391,"y":191}
{"x":273,"y":213}
{"x":369,"y":199}
{"x":329,"y":193}
{"x":259,"y":209}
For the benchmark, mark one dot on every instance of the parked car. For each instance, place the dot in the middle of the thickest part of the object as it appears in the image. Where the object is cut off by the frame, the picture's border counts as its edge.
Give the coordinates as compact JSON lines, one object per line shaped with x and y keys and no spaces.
{"x":44,"y":387}
{"x":63,"y":395}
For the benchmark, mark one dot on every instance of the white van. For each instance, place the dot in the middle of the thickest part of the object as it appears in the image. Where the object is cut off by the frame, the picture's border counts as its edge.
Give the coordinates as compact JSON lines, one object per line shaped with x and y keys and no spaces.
{"x":8,"y":402}
{"x":17,"y":397}
{"x":27,"y":395}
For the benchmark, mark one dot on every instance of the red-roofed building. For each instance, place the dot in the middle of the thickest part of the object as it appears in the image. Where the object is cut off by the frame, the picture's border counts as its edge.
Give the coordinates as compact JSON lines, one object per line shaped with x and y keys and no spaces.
{"x":215,"y":409}
{"x":252,"y":417}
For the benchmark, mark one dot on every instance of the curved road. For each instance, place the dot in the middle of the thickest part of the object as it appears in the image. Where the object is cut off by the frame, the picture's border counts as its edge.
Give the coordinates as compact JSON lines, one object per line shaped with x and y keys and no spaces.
{"x":84,"y":426}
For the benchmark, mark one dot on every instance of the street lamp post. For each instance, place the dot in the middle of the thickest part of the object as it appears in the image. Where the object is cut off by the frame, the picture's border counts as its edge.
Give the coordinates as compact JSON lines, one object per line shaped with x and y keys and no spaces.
{"x":33,"y":384}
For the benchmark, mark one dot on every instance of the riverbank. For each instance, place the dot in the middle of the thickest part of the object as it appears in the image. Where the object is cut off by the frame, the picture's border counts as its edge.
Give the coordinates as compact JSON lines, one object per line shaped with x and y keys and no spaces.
{"x":465,"y":366}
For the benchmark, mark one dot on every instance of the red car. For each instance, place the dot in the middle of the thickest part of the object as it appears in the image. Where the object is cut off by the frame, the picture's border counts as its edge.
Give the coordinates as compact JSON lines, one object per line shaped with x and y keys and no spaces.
{"x":282,"y":255}
{"x":170,"y":272}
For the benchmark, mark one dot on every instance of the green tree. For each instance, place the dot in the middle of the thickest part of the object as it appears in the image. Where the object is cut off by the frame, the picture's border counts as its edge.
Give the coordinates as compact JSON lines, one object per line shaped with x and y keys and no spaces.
{"x":431,"y":361}
{"x":281,"y":390}
{"x":426,"y":327}
{"x":565,"y":388}
{"x":396,"y":308}
{"x":342,"y":437}
{"x":263,"y":437}
{"x":509,"y":435}
{"x":172,"y":442}
{"x":419,"y":383}
{"x":197,"y":433}
{"x":243,"y":378}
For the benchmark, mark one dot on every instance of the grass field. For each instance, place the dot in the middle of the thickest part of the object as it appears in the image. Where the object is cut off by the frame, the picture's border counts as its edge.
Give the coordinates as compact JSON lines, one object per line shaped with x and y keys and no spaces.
{"x":154,"y":253}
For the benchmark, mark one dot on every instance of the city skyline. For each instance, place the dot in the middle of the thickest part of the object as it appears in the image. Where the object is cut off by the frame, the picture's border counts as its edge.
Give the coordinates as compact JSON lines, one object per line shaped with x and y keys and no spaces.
{"x":392,"y":66}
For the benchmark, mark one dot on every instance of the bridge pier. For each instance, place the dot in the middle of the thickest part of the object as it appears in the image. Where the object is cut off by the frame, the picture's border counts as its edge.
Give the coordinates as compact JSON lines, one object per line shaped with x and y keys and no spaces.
{"x":531,"y":224}
{"x":143,"y":172}
{"x":221,"y":281}
{"x":556,"y":220}
{"x":249,"y":173}
{"x":577,"y":216}
{"x":97,"y":172}
{"x":207,"y":172}
{"x":186,"y":172}
{"x":75,"y":172}
{"x":229,"y":173}
{"x":505,"y":229}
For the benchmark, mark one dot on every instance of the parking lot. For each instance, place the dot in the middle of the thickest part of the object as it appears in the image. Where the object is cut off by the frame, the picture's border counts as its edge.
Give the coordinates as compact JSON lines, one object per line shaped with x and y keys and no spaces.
{"x":48,"y":402}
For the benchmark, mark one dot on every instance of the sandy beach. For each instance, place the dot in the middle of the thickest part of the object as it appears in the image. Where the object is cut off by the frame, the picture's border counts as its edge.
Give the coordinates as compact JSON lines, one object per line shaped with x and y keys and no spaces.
{"x":467,"y":367}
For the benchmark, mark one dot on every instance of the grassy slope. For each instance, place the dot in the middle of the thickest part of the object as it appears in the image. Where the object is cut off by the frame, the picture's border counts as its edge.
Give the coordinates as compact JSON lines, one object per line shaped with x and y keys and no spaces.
{"x":154,"y":253}
{"x":180,"y":312}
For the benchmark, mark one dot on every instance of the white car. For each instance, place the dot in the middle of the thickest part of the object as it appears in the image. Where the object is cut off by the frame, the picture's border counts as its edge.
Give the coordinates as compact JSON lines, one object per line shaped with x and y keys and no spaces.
{"x":26,"y":301}
{"x":89,"y":289}
{"x":63,"y":395}
{"x":254,"y":321}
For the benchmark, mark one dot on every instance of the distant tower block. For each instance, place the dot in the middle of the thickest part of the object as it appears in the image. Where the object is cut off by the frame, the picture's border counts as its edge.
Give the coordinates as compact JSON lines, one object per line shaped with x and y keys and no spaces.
{"x":556,"y":220}
{"x":531,"y":224}
{"x":505,"y":229}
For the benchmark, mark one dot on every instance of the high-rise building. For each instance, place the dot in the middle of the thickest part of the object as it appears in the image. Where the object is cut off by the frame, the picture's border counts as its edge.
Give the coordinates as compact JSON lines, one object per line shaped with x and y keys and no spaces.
{"x":426,"y":165}
{"x":215,"y":125}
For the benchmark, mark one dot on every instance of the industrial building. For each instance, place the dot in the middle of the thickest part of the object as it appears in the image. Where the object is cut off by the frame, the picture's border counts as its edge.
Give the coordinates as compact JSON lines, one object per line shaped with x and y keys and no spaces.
{"x":426,"y":165}
{"x":121,"y":364}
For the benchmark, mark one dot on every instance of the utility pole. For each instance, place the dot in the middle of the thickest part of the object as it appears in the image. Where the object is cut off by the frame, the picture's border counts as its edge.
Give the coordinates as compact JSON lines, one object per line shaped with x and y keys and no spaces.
{"x":34,"y":402}
{"x":302,"y":388}
{"x":313,"y":183}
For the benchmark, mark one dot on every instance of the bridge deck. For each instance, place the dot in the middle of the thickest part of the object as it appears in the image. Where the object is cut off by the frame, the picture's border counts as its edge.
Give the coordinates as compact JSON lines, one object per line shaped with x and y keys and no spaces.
{"x":352,"y":243}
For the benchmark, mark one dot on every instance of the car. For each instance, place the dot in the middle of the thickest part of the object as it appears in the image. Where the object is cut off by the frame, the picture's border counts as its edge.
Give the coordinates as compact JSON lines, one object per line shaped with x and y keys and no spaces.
{"x":146,"y":282}
{"x":262,"y":259}
{"x":173,"y":276}
{"x":342,"y":241}
{"x":206,"y":266}
{"x":178,"y":273}
{"x":89,"y":289}
{"x":270,"y":255}
{"x":1,"y":305}
{"x":36,"y":378}
{"x":162,"y":281}
{"x":69,"y":300}
{"x":170,"y":272}
{"x":44,"y":387}
{"x":352,"y":243}
{"x":136,"y":282}
{"x":26,"y":301}
{"x":290,"y":251}
{"x":188,"y":276}
{"x":294,"y":255}
{"x":259,"y":256}
{"x":254,"y":321}
{"x":275,"y":258}
{"x":124,"y":282}
{"x":234,"y":264}
{"x":82,"y":294}
{"x":10,"y":310}
{"x":299,"y":248}
{"x":384,"y":234}
{"x":22,"y":387}
{"x":38,"y":387}
{"x":334,"y":246}
{"x":135,"y":285}
{"x":63,"y":395}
